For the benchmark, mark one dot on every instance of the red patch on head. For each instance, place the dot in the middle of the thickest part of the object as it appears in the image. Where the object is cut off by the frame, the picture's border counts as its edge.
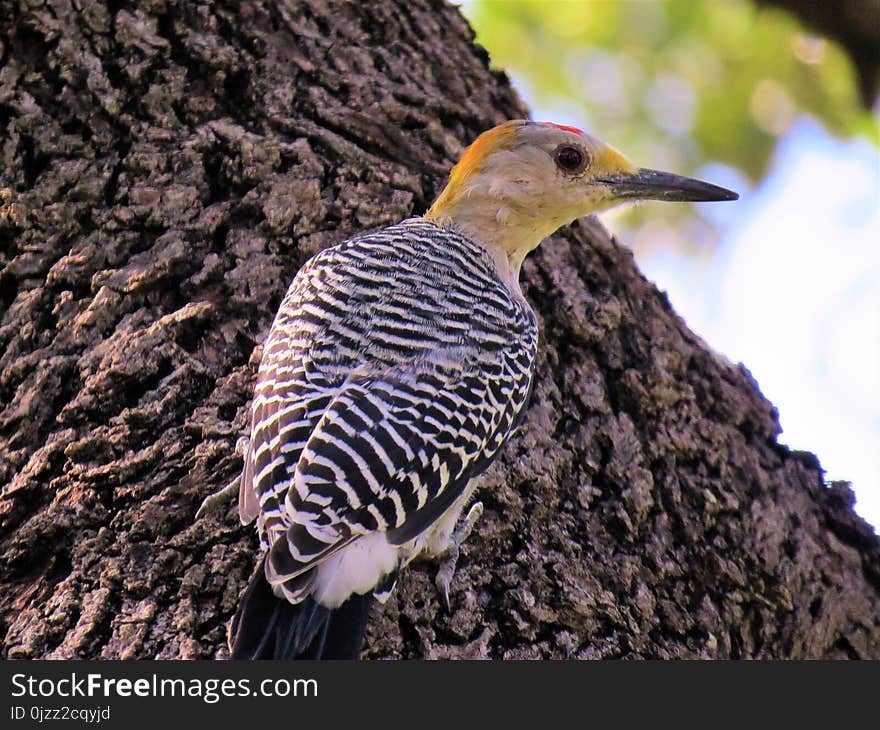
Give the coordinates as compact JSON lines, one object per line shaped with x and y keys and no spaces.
{"x":565,"y":128}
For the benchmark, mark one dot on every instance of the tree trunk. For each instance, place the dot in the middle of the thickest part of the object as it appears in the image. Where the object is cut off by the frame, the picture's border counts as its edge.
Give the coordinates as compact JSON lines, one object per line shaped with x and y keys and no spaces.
{"x":166,"y":170}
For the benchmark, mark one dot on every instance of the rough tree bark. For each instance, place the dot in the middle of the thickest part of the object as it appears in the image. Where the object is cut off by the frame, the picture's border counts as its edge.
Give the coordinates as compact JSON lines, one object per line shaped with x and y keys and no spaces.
{"x":166,"y":169}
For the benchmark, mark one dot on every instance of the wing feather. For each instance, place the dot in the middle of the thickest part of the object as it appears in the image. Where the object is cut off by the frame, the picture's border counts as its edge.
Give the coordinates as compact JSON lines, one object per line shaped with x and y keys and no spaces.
{"x":396,"y":472}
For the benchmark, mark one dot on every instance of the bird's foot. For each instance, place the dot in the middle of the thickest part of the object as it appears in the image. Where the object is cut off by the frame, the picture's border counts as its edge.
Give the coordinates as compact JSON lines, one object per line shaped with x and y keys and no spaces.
{"x":210,"y":502}
{"x":241,"y":446}
{"x":447,"y":567}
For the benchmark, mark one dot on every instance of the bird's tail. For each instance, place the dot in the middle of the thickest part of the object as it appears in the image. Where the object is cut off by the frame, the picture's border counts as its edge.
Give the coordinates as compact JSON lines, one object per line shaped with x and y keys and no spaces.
{"x":268,"y":627}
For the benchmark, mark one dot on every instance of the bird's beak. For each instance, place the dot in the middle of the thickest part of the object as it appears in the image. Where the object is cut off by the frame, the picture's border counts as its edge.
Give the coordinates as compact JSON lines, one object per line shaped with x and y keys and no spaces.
{"x":646,"y":184}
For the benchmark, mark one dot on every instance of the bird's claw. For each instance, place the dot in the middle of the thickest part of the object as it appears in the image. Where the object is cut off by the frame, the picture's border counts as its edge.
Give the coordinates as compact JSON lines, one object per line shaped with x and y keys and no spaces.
{"x":241,"y":446}
{"x":213,"y":500}
{"x":446,"y":571}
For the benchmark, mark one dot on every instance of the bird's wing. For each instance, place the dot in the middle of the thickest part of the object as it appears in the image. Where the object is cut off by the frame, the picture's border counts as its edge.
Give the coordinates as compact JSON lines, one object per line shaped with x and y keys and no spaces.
{"x":390,"y":454}
{"x":284,"y":414}
{"x":392,"y":374}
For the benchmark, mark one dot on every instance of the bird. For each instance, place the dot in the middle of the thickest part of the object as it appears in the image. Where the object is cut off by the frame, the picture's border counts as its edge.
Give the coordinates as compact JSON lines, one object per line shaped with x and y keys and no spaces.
{"x":398,"y":365}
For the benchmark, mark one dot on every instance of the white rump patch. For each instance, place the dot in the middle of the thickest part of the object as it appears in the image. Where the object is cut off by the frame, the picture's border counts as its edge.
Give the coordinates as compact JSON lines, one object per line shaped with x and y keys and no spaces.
{"x":357,"y":568}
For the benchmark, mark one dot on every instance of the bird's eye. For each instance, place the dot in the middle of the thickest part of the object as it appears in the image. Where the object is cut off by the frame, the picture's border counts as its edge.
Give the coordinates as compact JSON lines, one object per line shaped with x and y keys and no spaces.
{"x":569,"y":159}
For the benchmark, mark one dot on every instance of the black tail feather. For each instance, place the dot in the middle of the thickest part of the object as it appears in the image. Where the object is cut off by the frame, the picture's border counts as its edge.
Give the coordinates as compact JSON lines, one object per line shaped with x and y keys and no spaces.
{"x":268,"y":627}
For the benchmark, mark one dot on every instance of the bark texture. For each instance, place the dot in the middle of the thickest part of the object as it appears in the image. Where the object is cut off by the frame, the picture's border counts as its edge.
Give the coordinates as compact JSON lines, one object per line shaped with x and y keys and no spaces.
{"x":166,"y":167}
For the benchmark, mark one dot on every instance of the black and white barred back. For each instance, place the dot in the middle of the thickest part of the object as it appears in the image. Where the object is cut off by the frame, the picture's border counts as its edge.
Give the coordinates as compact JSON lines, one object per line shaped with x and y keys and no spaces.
{"x":397,"y":366}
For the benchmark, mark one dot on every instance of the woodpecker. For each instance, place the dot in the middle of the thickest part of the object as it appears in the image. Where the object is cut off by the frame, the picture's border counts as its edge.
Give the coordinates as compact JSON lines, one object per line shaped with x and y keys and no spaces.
{"x":399,"y":363}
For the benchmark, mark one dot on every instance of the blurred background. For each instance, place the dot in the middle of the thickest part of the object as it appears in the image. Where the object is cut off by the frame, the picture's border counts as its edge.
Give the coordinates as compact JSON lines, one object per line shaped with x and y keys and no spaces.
{"x":747,"y":96}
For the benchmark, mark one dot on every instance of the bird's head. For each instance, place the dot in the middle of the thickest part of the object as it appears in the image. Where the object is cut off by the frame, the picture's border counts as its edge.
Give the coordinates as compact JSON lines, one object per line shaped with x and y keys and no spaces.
{"x":521,"y":181}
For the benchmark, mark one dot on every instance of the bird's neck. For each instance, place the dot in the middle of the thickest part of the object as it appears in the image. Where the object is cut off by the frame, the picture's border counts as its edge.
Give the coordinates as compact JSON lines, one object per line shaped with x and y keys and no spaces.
{"x":507,"y":236}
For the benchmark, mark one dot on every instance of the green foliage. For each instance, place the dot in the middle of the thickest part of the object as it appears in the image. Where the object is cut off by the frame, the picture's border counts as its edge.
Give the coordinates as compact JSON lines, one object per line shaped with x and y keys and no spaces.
{"x":677,"y":83}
